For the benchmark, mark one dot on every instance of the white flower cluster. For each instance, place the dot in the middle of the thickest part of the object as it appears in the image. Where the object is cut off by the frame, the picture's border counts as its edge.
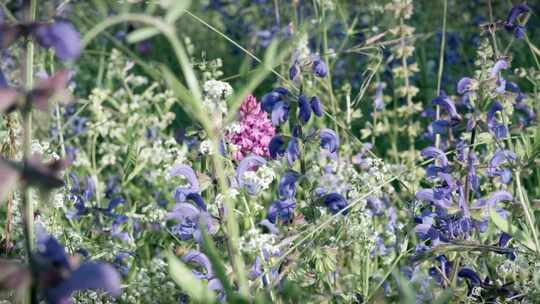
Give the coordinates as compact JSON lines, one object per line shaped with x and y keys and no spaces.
{"x":259,"y":180}
{"x":216,"y":94}
{"x":255,"y":242}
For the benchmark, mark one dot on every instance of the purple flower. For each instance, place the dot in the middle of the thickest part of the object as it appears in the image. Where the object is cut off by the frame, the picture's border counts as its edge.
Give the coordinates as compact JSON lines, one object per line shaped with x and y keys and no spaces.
{"x":335,"y":202}
{"x":293,"y":151}
{"x":189,"y":220}
{"x":269,"y":100}
{"x":497,"y":67}
{"x":187,"y":172}
{"x":471,"y":277}
{"x":61,"y":277}
{"x":316,"y":106}
{"x":276,"y":147}
{"x":438,"y":155}
{"x":282,"y":210}
{"x":202,"y":261}
{"x":447,"y":104}
{"x":287,"y":185}
{"x":464,"y":85}
{"x":500,"y":157}
{"x":270,"y":226}
{"x":511,"y":24}
{"x":280,"y":113}
{"x":428,"y":195}
{"x":319,"y":67}
{"x":304,"y":109}
{"x":329,"y":140}
{"x":62,"y":36}
{"x":246,"y":164}
{"x":294,"y":71}
{"x":499,"y":130}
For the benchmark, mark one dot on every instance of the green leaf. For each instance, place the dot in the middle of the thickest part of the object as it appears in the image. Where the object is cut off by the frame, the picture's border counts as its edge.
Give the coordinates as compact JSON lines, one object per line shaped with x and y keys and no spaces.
{"x":142,"y":34}
{"x":515,"y":232}
{"x":192,"y":286}
{"x":177,"y":10}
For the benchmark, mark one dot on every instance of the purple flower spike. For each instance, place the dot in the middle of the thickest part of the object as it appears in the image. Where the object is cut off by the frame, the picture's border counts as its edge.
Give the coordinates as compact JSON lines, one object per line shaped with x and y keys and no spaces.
{"x":335,"y":202}
{"x":464,"y":85}
{"x":90,"y":275}
{"x":62,"y":36}
{"x":316,"y":106}
{"x":280,"y":113}
{"x":304,"y":109}
{"x":287,"y":185}
{"x":499,"y":65}
{"x":329,"y":140}
{"x":447,"y":104}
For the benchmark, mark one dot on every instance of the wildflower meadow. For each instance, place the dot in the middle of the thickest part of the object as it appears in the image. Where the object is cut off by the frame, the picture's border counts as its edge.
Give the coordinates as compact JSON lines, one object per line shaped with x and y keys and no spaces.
{"x":269,"y":151}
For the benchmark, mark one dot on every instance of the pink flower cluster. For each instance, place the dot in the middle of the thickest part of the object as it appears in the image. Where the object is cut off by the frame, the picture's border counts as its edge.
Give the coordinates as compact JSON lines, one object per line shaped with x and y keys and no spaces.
{"x":255,"y":130}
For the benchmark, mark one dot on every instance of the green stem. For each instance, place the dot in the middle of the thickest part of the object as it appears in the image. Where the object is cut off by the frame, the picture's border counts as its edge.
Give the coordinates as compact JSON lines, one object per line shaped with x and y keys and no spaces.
{"x":527,"y":210}
{"x":441,"y":67}
{"x":28,"y":208}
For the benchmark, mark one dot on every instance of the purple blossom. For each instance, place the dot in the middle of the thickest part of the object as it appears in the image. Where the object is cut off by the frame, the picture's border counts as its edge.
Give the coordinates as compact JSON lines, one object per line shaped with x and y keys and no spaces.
{"x":287,"y":185}
{"x":335,"y":202}
{"x":497,"y":67}
{"x":319,"y":67}
{"x":464,"y":85}
{"x":447,"y":104}
{"x":494,"y":169}
{"x":269,"y":100}
{"x":304,"y":109}
{"x":293,"y":151}
{"x":282,"y":210}
{"x":248,"y":163}
{"x":511,"y":24}
{"x":187,"y":172}
{"x":329,"y":140}
{"x":276,"y":147}
{"x":316,"y":106}
{"x":499,"y":130}
{"x":190,"y":220}
{"x":62,"y":36}
{"x":280,"y":113}
{"x":270,"y":226}
{"x":294,"y":71}
{"x":473,"y":279}
{"x":61,"y":277}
